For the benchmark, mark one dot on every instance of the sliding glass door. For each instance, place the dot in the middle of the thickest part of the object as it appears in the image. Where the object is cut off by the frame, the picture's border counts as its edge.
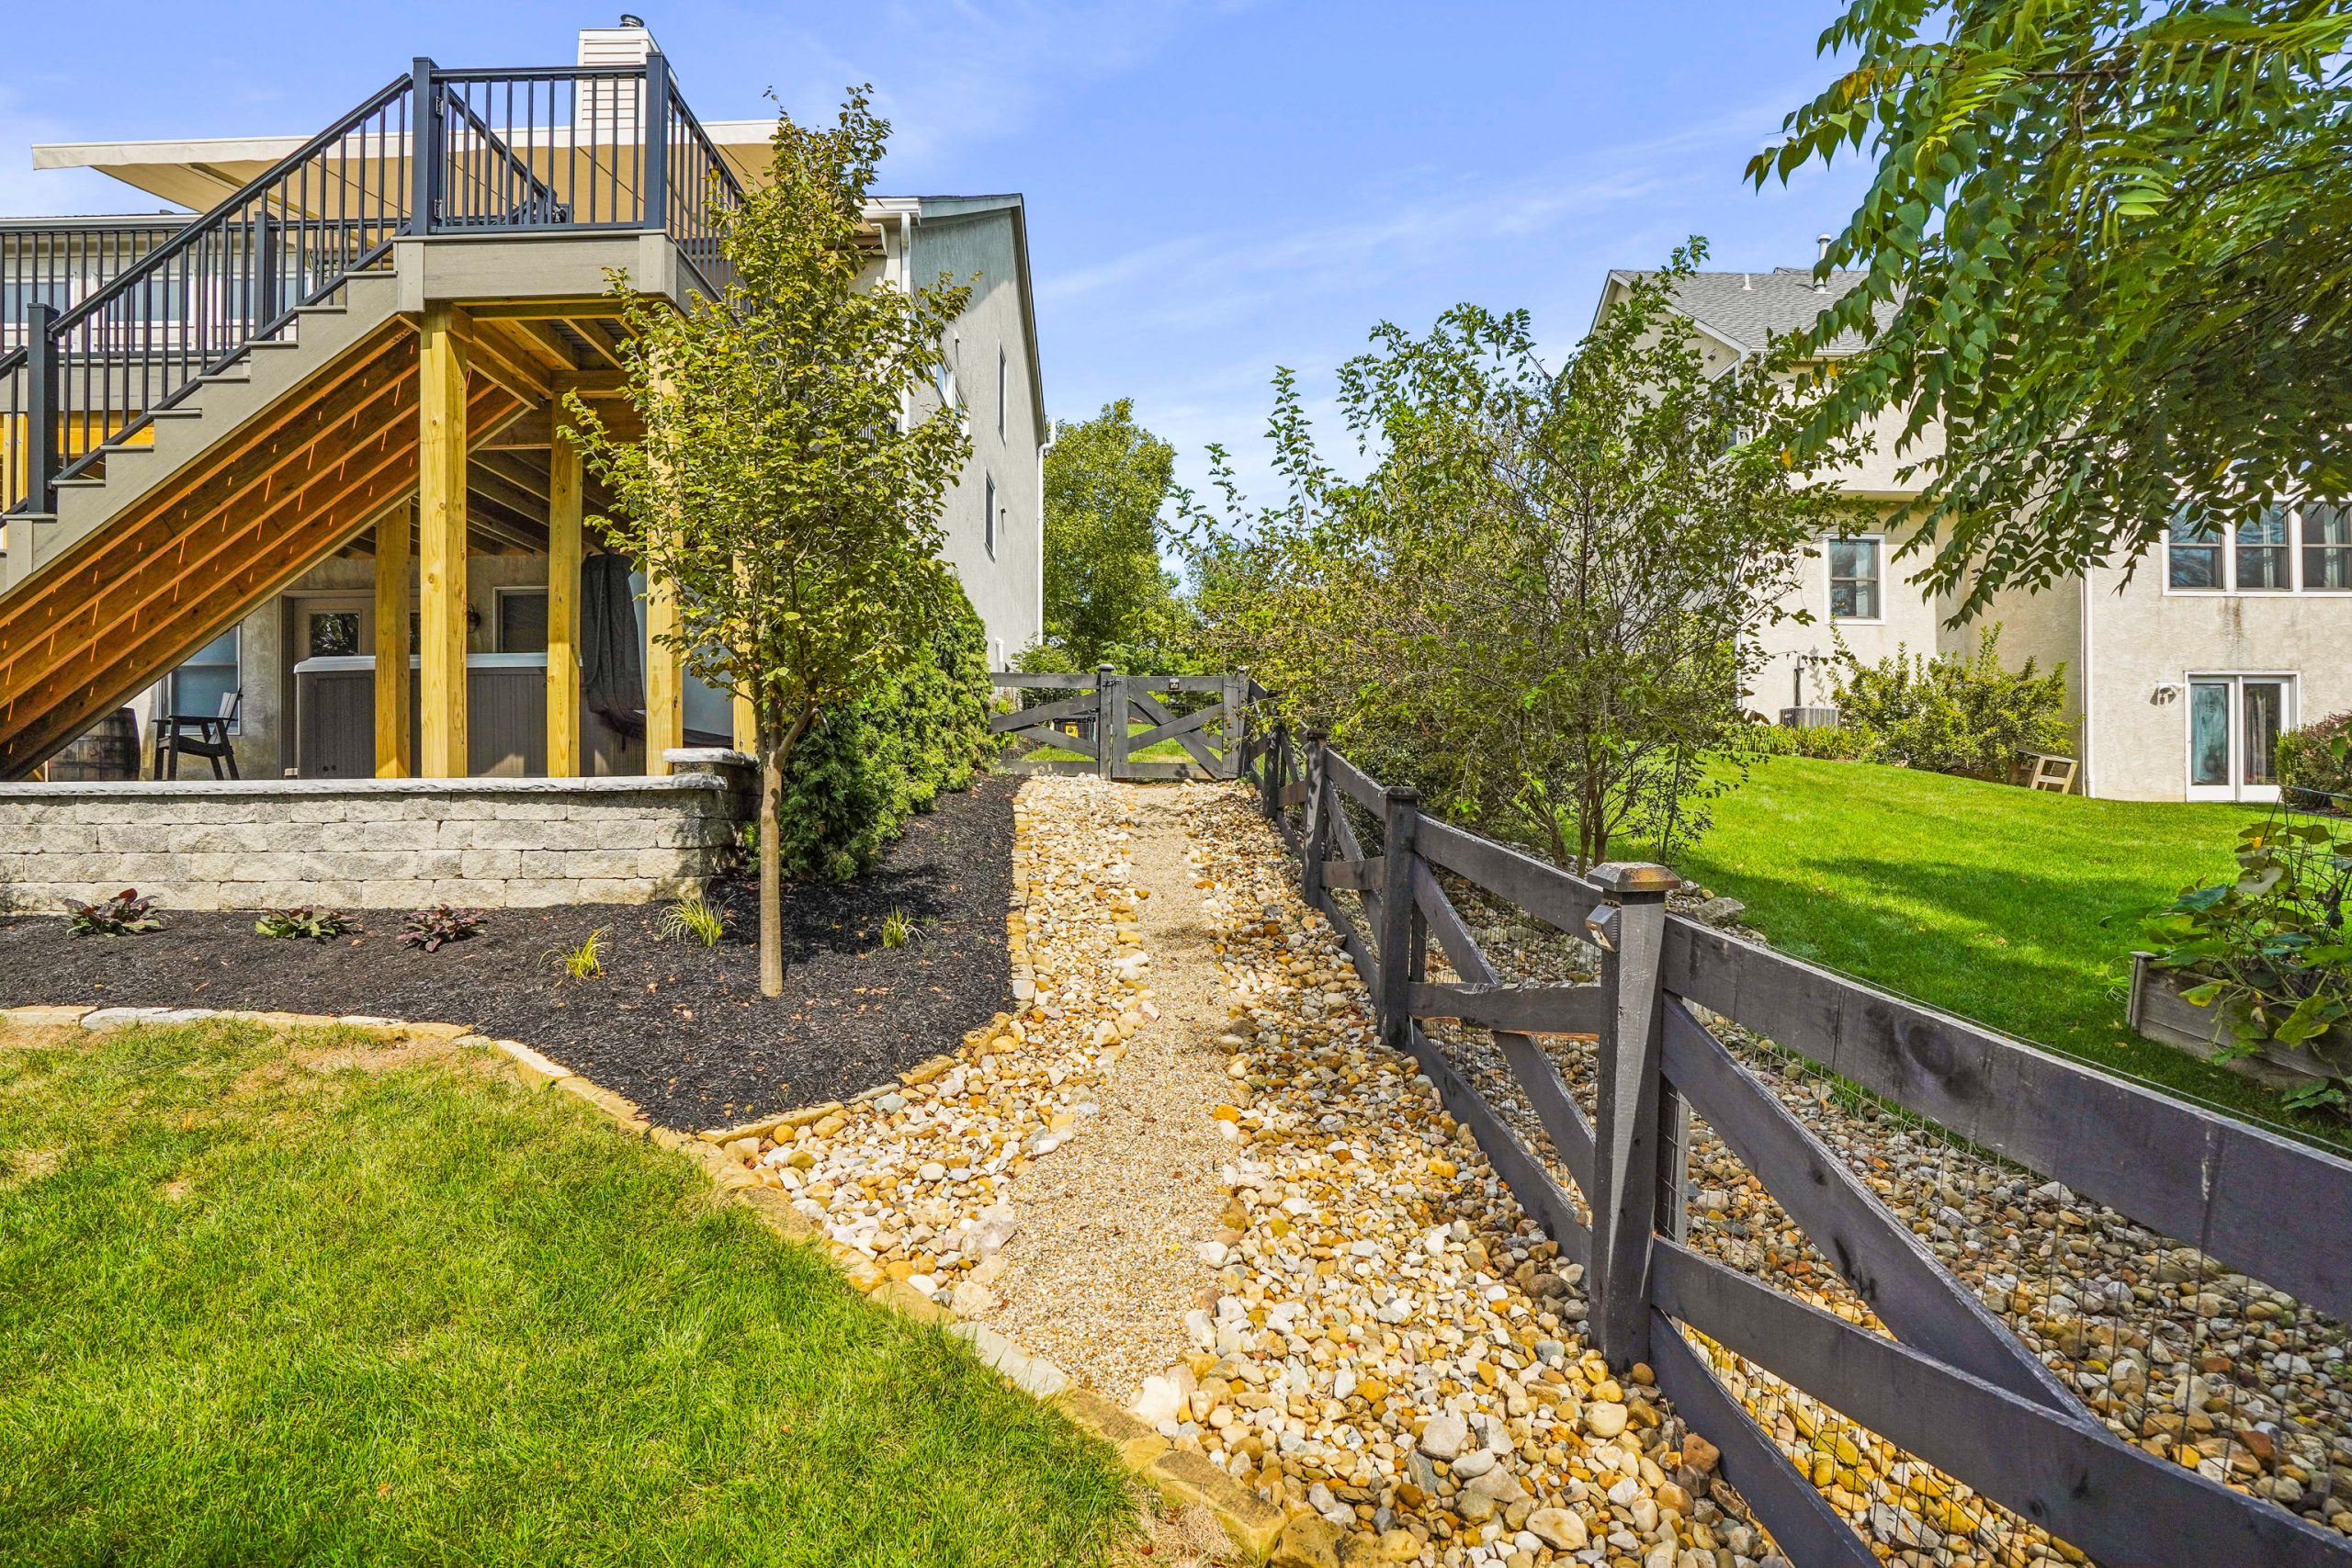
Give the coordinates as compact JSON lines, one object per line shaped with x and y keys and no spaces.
{"x":2234,"y":722}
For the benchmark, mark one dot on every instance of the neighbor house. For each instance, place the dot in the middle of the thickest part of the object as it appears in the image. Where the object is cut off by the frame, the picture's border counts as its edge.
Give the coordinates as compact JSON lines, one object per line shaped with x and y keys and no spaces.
{"x":281,"y":474}
{"x":2181,"y":674}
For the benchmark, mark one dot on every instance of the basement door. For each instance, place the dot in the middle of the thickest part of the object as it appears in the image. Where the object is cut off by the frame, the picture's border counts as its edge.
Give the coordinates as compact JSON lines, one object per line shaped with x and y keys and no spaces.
{"x":2234,"y":722}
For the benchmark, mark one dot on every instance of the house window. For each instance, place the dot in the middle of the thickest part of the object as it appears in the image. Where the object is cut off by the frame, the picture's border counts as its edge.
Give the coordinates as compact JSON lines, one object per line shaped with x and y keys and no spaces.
{"x":210,"y":674}
{"x":988,"y":518}
{"x":1000,"y":375}
{"x":522,"y":620}
{"x":1854,"y":579}
{"x":2192,"y":554}
{"x":2261,"y":552}
{"x":2327,"y":547}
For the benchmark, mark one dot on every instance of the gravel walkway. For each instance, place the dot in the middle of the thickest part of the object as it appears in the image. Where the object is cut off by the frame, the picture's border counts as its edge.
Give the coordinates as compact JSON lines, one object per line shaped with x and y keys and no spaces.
{"x":1394,"y":1345}
{"x":1102,"y":1269}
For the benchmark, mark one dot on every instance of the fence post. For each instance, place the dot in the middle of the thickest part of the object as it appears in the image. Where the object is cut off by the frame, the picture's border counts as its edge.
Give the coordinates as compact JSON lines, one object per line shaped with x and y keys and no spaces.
{"x":1237,"y":735}
{"x":424,"y":147}
{"x":1311,"y":835}
{"x":1110,"y":714}
{"x":1400,"y":814}
{"x":1269,"y":775}
{"x":42,"y":427}
{"x":1630,"y":928}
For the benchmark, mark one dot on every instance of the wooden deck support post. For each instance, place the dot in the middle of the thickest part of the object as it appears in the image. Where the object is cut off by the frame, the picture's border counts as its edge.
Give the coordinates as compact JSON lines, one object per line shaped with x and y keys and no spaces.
{"x":1629,"y":929}
{"x":665,"y":674}
{"x":1400,"y":937}
{"x":395,"y":748}
{"x":441,"y":538}
{"x":564,"y":486}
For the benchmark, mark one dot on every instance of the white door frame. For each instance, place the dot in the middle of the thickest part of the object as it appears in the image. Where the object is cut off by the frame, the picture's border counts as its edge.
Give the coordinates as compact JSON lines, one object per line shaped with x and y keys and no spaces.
{"x":2236,"y":682}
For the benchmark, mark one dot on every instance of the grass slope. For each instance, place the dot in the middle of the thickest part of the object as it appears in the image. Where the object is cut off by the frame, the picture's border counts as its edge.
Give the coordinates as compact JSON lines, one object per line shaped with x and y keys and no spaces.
{"x":1980,"y":898}
{"x":311,"y":1299}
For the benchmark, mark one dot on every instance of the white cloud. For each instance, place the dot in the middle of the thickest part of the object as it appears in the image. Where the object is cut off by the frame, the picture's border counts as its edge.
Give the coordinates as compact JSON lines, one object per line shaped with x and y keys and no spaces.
{"x":948,"y":75}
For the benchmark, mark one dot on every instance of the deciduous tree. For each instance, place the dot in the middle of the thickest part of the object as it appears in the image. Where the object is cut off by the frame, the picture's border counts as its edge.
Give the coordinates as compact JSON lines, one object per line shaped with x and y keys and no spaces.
{"x":1108,"y":597}
{"x":1541,"y":603}
{"x":780,"y":486}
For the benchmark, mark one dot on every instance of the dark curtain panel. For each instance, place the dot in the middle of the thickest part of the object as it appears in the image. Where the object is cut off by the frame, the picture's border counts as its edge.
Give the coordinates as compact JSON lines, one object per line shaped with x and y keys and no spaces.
{"x":612,"y":672}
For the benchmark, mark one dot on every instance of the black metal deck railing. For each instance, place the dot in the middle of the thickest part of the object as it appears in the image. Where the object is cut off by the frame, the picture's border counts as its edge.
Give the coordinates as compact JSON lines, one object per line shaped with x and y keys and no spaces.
{"x":102,"y":343}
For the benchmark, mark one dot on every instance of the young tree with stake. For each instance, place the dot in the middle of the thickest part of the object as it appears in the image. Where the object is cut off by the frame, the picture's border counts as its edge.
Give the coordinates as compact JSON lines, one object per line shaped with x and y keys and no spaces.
{"x":782,"y":486}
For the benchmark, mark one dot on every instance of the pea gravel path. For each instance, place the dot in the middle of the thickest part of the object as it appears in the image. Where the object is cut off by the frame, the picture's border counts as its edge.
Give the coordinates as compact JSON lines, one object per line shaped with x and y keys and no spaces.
{"x":1104,"y":1268}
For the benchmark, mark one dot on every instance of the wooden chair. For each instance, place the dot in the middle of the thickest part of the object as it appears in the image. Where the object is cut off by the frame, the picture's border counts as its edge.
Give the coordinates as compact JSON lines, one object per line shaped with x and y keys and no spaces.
{"x":2044,"y":769}
{"x":198,"y":735}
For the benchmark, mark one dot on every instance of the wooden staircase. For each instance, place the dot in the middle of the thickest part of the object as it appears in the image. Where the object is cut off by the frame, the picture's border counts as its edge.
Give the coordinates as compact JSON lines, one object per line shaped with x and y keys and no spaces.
{"x":263,"y":473}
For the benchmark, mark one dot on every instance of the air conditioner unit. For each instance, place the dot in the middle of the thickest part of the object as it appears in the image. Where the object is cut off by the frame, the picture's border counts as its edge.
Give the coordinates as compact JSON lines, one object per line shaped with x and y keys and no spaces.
{"x":1809,"y":718}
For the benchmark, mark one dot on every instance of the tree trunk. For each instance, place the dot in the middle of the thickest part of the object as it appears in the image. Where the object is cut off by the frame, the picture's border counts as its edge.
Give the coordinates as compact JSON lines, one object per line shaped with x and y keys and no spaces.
{"x":772,"y":758}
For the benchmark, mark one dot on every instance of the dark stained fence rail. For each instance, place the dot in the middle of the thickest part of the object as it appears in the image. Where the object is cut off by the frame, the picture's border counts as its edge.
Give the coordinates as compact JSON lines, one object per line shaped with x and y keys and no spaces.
{"x":1953,"y":1387}
{"x":1211,"y":734}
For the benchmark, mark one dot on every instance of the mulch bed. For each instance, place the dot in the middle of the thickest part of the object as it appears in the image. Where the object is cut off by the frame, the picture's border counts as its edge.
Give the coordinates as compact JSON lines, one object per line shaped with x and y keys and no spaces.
{"x":680,"y":1029}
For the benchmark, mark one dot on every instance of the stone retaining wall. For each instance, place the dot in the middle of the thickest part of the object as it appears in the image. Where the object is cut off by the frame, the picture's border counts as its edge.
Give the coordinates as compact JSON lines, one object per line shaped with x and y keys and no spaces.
{"x":375,"y":843}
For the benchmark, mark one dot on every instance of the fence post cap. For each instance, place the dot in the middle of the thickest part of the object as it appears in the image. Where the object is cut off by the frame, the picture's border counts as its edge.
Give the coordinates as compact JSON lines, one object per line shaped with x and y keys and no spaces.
{"x":1632,"y":876}
{"x":1403,"y":795}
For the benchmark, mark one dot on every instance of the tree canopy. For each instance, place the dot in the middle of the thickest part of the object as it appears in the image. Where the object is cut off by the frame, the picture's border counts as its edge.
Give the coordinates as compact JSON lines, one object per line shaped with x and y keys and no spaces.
{"x":1540,"y":606}
{"x":2107,"y":248}
{"x":1108,"y":598}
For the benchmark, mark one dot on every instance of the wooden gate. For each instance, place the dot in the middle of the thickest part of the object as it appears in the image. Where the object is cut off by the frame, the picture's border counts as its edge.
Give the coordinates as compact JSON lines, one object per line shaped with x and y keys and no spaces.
{"x":1947,"y":1382}
{"x":1205,"y":717}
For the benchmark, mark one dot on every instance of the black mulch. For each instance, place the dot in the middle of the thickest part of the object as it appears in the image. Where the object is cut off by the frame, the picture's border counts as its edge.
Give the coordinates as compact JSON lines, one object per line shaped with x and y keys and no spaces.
{"x":680,"y":1029}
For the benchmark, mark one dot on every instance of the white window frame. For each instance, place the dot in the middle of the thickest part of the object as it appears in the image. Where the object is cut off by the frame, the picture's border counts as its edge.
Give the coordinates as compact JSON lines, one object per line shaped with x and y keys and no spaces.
{"x":2226,"y":538}
{"x":2289,"y":704}
{"x":1830,"y":584}
{"x":987,"y":515}
{"x":2296,"y":546}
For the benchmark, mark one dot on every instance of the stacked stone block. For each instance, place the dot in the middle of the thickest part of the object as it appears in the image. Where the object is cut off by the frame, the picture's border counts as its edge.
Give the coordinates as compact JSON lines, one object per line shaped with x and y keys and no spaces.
{"x":375,"y":843}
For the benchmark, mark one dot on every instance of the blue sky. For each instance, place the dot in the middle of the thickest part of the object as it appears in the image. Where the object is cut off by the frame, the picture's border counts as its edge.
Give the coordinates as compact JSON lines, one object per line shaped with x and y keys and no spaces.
{"x":1213,"y":188}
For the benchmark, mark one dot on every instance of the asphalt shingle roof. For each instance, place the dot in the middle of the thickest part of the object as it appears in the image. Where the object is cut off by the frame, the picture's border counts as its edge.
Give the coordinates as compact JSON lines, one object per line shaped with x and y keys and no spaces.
{"x":1749,"y":307}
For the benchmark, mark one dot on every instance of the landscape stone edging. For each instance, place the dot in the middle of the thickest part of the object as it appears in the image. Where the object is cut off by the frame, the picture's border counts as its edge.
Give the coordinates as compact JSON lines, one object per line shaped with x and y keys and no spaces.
{"x":1262,"y":1532}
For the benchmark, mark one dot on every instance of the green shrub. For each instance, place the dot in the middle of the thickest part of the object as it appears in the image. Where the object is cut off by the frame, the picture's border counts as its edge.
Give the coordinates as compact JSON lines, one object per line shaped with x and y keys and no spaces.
{"x":1956,"y":713}
{"x":859,"y":775}
{"x":1837,"y":743}
{"x":2317,"y":758}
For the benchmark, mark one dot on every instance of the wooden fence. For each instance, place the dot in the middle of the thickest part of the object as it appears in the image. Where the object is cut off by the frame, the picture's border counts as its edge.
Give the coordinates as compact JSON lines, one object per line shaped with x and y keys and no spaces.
{"x":1210,"y":732}
{"x":1955,"y":1388}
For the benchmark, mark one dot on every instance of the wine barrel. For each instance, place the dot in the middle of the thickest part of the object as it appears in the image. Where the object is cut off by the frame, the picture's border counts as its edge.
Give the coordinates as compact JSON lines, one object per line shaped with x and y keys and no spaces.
{"x":108,"y":749}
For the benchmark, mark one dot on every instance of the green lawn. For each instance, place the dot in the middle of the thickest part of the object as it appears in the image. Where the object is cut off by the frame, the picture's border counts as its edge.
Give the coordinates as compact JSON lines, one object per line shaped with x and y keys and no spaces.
{"x":1981,"y":898}
{"x":272,"y":1300}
